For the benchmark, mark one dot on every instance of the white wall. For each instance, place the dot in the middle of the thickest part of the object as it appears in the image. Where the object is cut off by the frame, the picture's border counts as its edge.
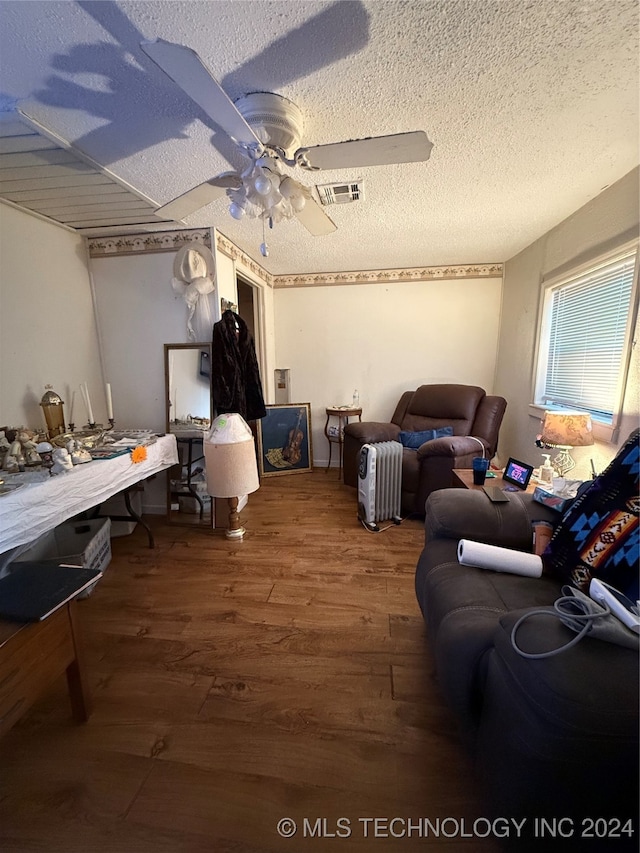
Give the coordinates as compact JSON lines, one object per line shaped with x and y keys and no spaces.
{"x":138,"y":313}
{"x":225,"y":280}
{"x":383,"y":339}
{"x":47,"y":325}
{"x":609,"y":220}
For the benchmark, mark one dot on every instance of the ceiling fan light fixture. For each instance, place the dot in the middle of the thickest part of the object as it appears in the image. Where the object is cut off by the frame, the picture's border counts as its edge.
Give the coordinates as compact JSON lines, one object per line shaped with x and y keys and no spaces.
{"x":268,"y":130}
{"x":277,"y":212}
{"x":236,"y":210}
{"x":288,"y":187}
{"x":276,"y":121}
{"x":262,"y":184}
{"x":298,"y":202}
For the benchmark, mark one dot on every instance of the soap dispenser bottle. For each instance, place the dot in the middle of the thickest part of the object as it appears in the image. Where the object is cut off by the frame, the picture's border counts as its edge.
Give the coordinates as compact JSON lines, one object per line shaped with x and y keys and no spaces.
{"x":546,"y":471}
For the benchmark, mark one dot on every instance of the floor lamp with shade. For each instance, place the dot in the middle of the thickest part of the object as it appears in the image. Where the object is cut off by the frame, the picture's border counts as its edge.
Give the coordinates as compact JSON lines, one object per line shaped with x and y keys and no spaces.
{"x":231,"y":466}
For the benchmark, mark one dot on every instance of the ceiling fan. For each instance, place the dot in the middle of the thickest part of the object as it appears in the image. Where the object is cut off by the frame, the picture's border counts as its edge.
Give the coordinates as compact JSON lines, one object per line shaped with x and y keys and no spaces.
{"x":267,"y":128}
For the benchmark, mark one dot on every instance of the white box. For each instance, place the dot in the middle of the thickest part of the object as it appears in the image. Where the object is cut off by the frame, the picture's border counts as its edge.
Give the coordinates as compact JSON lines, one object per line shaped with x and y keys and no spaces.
{"x":86,"y":544}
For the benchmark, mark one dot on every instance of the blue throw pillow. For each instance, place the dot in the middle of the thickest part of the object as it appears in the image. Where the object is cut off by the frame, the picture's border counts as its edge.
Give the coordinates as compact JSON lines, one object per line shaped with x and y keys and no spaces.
{"x":414,"y":440}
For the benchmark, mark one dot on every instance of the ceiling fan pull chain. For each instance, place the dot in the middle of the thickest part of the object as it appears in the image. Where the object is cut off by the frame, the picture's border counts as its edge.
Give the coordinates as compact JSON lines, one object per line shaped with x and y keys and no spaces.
{"x":264,"y":249}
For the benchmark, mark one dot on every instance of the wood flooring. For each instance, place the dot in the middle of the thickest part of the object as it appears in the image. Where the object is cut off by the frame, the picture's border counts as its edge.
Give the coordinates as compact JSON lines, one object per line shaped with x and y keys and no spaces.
{"x":240,"y":684}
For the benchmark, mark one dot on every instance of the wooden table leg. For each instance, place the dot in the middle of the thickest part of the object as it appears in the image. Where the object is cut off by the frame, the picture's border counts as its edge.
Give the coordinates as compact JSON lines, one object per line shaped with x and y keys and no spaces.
{"x":81,"y":704}
{"x":326,"y":432}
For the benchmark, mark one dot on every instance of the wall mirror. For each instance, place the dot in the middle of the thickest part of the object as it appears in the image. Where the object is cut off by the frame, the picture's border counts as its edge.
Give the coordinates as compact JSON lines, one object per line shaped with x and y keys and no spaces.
{"x":187,"y":372}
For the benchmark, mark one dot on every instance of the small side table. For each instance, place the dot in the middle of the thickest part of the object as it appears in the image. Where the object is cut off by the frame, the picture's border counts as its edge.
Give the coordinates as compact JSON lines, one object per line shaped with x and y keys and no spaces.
{"x":342,"y":413}
{"x":463,"y":478}
{"x":185,"y":485}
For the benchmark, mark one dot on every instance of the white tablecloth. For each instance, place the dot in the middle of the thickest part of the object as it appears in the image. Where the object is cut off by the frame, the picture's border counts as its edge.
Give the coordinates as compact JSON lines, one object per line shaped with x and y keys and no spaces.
{"x":28,"y":512}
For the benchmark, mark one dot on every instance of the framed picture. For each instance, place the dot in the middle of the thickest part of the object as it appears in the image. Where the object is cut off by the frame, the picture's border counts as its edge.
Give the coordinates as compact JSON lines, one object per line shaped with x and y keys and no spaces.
{"x":284,"y":440}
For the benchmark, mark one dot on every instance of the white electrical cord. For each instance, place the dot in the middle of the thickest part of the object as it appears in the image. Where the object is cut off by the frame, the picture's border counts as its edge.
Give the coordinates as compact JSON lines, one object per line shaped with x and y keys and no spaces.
{"x":576,"y":614}
{"x":479,"y":442}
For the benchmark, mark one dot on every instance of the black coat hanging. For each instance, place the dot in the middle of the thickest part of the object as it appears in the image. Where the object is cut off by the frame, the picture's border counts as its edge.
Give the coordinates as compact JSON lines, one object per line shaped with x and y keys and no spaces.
{"x":235,"y":375}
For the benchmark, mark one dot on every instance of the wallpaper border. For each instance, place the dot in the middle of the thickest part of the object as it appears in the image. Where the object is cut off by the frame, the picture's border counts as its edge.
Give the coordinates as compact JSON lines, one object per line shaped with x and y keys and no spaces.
{"x":140,"y":244}
{"x":171,"y":241}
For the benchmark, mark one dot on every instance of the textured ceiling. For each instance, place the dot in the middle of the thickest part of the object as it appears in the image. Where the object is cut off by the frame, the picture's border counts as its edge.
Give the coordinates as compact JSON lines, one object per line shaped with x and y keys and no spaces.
{"x":532,"y":108}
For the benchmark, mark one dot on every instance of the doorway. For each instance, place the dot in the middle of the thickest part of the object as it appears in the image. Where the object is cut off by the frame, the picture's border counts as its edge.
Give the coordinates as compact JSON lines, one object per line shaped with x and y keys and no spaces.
{"x":246,"y":306}
{"x":254,"y":310}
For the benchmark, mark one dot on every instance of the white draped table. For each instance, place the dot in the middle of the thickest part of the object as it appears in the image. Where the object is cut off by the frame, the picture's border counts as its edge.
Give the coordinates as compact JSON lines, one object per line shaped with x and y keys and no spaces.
{"x":37,"y":507}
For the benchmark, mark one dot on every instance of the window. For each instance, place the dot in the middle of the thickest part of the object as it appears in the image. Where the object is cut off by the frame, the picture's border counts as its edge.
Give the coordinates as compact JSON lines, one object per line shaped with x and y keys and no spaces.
{"x":585,"y":338}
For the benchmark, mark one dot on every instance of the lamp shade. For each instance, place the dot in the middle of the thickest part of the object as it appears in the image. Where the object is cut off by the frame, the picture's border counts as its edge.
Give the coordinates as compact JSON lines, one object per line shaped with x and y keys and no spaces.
{"x":567,"y":429}
{"x":230,"y":458}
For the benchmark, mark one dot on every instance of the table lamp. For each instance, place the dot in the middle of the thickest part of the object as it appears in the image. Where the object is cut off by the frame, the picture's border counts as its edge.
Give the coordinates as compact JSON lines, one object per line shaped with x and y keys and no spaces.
{"x":53,"y":408}
{"x":231,"y":466}
{"x":565,"y":430}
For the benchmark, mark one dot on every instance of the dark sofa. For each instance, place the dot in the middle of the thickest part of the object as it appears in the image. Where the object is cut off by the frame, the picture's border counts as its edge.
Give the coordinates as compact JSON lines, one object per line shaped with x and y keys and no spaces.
{"x":555,"y":737}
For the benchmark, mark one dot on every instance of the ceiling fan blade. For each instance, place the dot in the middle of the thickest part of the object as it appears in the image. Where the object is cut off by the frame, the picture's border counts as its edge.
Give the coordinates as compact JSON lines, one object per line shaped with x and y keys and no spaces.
{"x":187,"y":70}
{"x":315,"y":220}
{"x":228,"y":180}
{"x":199,"y":196}
{"x":373,"y":151}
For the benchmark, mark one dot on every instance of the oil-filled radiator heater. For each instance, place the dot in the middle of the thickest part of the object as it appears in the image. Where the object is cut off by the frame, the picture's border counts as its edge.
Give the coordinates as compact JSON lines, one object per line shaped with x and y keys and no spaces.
{"x":379,"y":482}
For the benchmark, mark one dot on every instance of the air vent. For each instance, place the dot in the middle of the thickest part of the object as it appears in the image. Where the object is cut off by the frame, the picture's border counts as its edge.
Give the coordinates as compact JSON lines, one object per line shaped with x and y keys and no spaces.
{"x":340,"y":193}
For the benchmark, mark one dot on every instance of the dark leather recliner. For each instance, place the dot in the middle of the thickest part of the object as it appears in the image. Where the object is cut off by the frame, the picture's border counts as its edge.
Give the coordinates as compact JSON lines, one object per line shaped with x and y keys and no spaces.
{"x":474,"y":416}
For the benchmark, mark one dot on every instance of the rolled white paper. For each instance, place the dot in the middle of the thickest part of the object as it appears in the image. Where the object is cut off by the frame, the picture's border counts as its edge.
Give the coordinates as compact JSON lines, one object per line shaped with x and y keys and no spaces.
{"x":499,"y":559}
{"x":109,"y":402}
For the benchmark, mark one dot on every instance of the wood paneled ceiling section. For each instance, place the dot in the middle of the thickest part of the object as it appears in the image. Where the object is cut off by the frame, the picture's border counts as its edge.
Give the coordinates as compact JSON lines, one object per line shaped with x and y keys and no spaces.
{"x":47,"y":176}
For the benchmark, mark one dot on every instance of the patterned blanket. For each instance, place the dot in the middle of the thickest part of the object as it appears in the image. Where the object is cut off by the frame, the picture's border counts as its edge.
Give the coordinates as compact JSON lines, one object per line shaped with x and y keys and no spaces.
{"x":598,"y":535}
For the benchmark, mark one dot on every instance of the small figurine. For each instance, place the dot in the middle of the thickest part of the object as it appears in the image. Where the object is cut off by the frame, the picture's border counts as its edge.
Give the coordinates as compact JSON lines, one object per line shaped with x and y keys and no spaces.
{"x":77,"y":452}
{"x":45,"y":449}
{"x":31,"y":455}
{"x":4,"y":447}
{"x":61,"y":461}
{"x":14,"y":459}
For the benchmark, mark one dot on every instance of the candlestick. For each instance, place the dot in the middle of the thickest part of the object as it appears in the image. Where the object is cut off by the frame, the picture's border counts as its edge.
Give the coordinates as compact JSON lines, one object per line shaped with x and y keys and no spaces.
{"x":89,"y":409}
{"x":73,"y":397}
{"x":83,"y":391}
{"x":84,"y":396}
{"x":109,"y":402}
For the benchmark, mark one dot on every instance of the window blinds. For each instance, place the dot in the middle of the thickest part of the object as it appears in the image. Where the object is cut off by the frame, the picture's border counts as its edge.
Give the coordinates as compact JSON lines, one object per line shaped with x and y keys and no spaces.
{"x":587,"y":338}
